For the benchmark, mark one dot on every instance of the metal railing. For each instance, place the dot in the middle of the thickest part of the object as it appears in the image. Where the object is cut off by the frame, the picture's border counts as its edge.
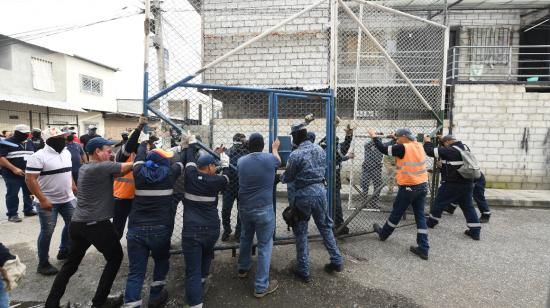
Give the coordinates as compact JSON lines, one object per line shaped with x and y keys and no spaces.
{"x":499,"y":64}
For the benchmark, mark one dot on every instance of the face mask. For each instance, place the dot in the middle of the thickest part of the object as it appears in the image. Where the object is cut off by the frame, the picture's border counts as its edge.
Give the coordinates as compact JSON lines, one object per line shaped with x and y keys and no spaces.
{"x":19,"y":136}
{"x":36,"y":135}
{"x":70,"y":138}
{"x":56,"y":143}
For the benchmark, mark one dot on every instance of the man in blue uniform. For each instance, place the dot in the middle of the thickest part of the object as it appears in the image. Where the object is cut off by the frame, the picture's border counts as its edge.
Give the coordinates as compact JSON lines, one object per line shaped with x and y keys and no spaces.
{"x":306,"y":168}
{"x":479,"y":198}
{"x":454,"y":188}
{"x":13,"y":162}
{"x":201,"y":223}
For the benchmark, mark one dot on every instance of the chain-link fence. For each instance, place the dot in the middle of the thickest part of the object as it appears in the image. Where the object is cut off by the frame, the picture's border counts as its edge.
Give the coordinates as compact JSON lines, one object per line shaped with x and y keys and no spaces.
{"x":245,"y":58}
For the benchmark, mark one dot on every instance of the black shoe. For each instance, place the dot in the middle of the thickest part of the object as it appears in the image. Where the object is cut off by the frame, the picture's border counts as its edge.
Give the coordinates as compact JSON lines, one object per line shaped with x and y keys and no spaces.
{"x":300,"y":276}
{"x":226,"y":236}
{"x":431,"y":223}
{"x":450,"y":209}
{"x":469,"y":233}
{"x":484,"y":218}
{"x":331,"y":268}
{"x":243,"y":273}
{"x":46,"y":269}
{"x":62,"y":255}
{"x":159,"y":301}
{"x":113,"y":301}
{"x":15,"y":218}
{"x":344,"y":231}
{"x":418,"y":252}
{"x":31,"y":213}
{"x":378,"y":230}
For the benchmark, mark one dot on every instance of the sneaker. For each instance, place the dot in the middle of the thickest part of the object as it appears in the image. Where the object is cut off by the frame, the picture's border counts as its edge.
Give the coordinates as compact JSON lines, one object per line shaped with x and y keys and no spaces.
{"x":469,"y":233}
{"x":113,"y":301}
{"x":15,"y":218}
{"x":344,"y":231}
{"x":226,"y":236}
{"x":331,"y":268}
{"x":300,"y":276}
{"x":46,"y":269}
{"x":273,"y":285}
{"x":417,"y":251}
{"x":378,"y":230}
{"x":159,"y":301}
{"x":450,"y":209}
{"x":31,"y":213}
{"x":484,"y":218}
{"x":62,"y":255}
{"x":243,"y":273}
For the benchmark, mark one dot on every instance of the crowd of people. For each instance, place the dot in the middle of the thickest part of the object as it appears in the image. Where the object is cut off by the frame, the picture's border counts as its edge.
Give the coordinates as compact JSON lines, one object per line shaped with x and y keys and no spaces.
{"x":98,"y":193}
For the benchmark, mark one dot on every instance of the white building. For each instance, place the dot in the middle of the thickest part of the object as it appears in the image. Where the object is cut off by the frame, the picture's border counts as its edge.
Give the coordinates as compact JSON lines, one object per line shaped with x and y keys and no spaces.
{"x":41,"y":87}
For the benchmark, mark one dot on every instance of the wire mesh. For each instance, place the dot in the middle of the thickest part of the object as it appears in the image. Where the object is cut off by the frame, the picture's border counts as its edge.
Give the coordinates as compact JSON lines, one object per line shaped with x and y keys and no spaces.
{"x":186,"y":35}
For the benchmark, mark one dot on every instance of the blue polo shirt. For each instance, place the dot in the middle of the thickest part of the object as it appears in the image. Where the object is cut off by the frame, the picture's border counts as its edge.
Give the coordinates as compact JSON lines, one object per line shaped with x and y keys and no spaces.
{"x":256,"y":179}
{"x":76,"y":153}
{"x":16,"y":156}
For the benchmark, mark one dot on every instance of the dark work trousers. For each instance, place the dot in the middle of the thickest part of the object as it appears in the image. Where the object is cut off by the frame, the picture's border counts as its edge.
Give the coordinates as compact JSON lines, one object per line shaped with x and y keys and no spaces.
{"x":416,"y":197}
{"x":103,"y":236}
{"x":122,"y":210}
{"x":229,"y":197}
{"x":479,"y":196}
{"x":458,"y":193}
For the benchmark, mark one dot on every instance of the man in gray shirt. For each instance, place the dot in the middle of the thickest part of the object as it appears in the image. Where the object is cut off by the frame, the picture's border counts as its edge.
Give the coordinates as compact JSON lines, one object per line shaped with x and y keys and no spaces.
{"x":91,"y":224}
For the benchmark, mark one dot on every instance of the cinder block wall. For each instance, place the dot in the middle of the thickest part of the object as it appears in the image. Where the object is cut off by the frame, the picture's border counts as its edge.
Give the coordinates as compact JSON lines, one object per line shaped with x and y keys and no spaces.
{"x":508,"y":129}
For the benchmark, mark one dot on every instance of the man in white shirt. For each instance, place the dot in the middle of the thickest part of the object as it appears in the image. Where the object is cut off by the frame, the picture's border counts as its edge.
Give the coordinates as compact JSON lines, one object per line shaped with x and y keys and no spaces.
{"x":49,"y":178}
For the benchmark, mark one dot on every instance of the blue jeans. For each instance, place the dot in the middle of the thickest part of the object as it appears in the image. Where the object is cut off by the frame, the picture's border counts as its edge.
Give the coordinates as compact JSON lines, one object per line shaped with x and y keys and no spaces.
{"x":48,"y":221}
{"x":142,"y":241}
{"x":229,"y":197}
{"x":456,"y":193}
{"x":316,"y":207}
{"x":261,"y":221}
{"x":198,"y":251}
{"x":13,"y":185}
{"x":416,"y":197}
{"x":4,"y":296}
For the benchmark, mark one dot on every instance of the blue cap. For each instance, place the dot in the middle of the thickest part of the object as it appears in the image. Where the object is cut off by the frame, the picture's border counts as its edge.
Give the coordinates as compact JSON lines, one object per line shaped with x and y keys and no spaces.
{"x":311,"y":137}
{"x":297,"y":127}
{"x":205,"y":160}
{"x":405,"y":132}
{"x":97,"y":143}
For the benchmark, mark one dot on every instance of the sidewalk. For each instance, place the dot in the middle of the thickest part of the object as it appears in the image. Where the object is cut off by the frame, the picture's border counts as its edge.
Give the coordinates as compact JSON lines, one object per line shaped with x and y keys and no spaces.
{"x":518,"y":198}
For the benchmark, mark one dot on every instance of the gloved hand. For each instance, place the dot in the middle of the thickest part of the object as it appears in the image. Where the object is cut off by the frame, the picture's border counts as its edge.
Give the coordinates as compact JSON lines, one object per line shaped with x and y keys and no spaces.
{"x":309,"y":118}
{"x":184,"y":141}
{"x":337,"y":121}
{"x":224,"y":160}
{"x":348,"y":130}
{"x":12,"y":271}
{"x":192,"y":139}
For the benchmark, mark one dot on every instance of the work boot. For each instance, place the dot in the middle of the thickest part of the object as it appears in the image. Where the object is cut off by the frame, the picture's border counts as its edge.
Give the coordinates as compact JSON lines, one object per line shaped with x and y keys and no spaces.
{"x":378,"y":230}
{"x":30,"y":213}
{"x":226,"y":236}
{"x":273,"y":285}
{"x":243,"y":273}
{"x":46,"y":269}
{"x":431,"y":223}
{"x":469,"y":233}
{"x":113,"y":301}
{"x":63,"y":255}
{"x":15,"y":218}
{"x":300,"y":276}
{"x":484,"y":218}
{"x":417,"y":251}
{"x":331,"y":268}
{"x":344,"y":231}
{"x":450,"y":209}
{"x":159,"y":301}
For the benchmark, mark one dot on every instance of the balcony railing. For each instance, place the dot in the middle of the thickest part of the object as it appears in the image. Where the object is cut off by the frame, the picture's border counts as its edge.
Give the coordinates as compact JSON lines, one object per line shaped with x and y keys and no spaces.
{"x":499,"y":64}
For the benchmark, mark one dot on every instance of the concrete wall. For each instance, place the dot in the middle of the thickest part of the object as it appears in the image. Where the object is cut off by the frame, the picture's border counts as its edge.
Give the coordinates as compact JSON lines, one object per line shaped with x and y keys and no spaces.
{"x":104,"y":102}
{"x":508,"y":129}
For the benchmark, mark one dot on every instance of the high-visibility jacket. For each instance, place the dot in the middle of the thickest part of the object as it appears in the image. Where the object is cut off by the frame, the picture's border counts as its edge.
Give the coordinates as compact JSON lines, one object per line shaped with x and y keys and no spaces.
{"x":124,"y":187}
{"x":411,"y":169}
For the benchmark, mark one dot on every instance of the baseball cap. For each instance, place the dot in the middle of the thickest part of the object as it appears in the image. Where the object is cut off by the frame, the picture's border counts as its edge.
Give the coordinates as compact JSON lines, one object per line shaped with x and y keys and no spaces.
{"x":205,"y":160}
{"x":404,"y":132}
{"x":449,"y":137}
{"x":52,"y":132}
{"x":297,"y":127}
{"x":22,"y":128}
{"x":91,"y":127}
{"x":97,"y":143}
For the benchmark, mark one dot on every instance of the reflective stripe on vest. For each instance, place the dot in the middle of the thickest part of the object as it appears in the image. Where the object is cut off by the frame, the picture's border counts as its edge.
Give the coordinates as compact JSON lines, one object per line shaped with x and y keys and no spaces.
{"x":452,"y":163}
{"x":151,"y":193}
{"x":123,"y":187}
{"x":411,"y":169}
{"x":196,"y":198}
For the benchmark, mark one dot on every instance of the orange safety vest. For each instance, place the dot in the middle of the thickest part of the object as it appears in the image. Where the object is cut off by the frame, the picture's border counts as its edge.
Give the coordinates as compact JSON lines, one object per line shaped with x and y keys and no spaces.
{"x":411,"y":169}
{"x":124,"y":187}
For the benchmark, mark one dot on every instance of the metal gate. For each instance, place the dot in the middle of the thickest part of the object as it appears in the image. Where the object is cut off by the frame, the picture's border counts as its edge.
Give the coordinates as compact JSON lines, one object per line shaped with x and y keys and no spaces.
{"x":259,"y":67}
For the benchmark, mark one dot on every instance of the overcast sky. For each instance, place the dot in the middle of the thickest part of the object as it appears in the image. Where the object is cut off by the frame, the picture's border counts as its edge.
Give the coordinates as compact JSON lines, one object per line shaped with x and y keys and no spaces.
{"x":116,"y":43}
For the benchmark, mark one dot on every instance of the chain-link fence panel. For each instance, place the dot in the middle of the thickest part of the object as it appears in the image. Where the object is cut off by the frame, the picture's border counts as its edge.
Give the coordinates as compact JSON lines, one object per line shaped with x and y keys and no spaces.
{"x":373,"y":93}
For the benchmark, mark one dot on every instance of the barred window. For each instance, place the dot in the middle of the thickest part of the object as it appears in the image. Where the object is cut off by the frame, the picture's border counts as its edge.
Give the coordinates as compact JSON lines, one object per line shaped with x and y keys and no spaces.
{"x":489,"y":45}
{"x":91,"y":85}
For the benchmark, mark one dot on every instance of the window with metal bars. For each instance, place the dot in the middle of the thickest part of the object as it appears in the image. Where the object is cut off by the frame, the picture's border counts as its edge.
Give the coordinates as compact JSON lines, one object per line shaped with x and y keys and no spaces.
{"x":489,"y":45}
{"x":91,"y":85}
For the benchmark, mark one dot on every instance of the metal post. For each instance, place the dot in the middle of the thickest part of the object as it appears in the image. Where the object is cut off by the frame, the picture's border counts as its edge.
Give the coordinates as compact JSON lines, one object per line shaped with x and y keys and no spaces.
{"x":444,"y":73}
{"x":331,"y":106}
{"x":510,"y":51}
{"x":453,"y":65}
{"x":270,"y":118}
{"x":211,"y":126}
{"x":391,"y":61}
{"x":147,"y":28}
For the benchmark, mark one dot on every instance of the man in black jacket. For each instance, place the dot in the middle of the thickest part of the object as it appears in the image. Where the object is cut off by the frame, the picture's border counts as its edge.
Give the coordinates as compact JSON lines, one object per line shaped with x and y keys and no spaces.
{"x":454,"y":188}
